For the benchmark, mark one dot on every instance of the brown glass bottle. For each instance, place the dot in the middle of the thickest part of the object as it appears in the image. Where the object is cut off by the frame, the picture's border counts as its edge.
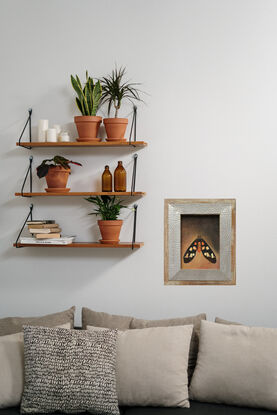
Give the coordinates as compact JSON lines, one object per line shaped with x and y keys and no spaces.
{"x":107,"y":180}
{"x":120,"y":178}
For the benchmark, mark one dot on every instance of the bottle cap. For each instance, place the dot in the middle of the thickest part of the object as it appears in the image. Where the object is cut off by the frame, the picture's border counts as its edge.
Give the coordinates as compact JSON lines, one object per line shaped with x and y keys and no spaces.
{"x":106,"y":167}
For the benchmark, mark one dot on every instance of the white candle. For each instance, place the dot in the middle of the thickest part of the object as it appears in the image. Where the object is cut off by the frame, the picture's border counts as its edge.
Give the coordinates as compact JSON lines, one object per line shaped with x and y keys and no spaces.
{"x":51,"y":135}
{"x":42,"y":128}
{"x":64,"y":137}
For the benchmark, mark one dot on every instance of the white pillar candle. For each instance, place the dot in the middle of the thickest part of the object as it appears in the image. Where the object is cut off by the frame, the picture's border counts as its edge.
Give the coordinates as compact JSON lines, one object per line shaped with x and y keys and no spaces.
{"x":51,"y":135}
{"x":42,"y":128}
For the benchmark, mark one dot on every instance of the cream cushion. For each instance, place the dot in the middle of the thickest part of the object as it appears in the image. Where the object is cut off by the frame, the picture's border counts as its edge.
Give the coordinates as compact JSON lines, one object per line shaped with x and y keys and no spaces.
{"x":12,"y":368}
{"x":151,"y":368}
{"x":236,"y":365}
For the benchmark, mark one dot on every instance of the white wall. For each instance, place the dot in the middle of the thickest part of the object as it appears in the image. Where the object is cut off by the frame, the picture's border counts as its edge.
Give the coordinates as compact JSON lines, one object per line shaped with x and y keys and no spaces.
{"x":210,"y":67}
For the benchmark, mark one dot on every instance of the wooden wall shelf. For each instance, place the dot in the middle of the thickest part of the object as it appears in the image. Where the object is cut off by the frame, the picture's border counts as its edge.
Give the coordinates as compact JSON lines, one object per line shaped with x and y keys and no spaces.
{"x":99,"y":144}
{"x":31,"y":194}
{"x":84,"y":245}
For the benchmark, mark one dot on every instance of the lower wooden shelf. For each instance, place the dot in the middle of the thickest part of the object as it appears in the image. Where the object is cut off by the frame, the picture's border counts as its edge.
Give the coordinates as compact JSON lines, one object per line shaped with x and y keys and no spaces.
{"x":84,"y":245}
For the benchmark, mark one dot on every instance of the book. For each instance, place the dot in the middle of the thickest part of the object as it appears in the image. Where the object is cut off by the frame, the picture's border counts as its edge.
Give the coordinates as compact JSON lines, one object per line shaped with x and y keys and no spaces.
{"x":39,"y":222}
{"x":45,"y":230}
{"x":47,"y":235}
{"x":43,"y":225}
{"x":64,"y":240}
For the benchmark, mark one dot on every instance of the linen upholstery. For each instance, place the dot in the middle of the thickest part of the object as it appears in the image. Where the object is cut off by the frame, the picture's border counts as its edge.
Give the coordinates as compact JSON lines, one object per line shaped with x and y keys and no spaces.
{"x":222,"y":321}
{"x":100,"y":319}
{"x":12,"y":368}
{"x":236,"y":365}
{"x":70,"y":371}
{"x":151,"y":366}
{"x":195,"y":320}
{"x":11,"y":325}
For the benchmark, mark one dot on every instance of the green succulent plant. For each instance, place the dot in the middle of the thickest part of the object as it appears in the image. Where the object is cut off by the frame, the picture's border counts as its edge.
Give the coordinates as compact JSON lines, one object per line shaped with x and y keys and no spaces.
{"x":115,"y":90}
{"x":107,"y":207}
{"x":88,"y":97}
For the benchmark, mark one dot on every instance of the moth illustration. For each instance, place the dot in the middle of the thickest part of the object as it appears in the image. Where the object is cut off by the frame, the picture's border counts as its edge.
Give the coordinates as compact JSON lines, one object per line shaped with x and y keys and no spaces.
{"x":199,"y":245}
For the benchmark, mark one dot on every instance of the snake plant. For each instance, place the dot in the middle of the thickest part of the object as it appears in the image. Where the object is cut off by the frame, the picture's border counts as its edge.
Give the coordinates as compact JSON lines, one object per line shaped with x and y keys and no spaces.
{"x":88,"y":97}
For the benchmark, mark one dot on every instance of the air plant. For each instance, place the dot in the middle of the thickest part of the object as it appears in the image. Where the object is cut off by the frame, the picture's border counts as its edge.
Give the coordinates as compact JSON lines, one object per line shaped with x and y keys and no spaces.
{"x":115,"y":90}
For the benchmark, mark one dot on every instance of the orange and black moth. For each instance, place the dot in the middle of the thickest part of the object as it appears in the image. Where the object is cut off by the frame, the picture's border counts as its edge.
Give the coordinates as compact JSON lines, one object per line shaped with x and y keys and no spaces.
{"x":199,"y":245}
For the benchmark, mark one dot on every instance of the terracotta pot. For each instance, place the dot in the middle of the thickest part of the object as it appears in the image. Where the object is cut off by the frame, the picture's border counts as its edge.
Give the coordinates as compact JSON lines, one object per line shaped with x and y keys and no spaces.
{"x":115,"y":128}
{"x":88,"y":126}
{"x":56,"y":179}
{"x":110,"y":230}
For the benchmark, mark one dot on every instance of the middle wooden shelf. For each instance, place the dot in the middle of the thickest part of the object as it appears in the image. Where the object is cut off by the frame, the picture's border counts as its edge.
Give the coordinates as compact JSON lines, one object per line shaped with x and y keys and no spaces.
{"x":31,"y":194}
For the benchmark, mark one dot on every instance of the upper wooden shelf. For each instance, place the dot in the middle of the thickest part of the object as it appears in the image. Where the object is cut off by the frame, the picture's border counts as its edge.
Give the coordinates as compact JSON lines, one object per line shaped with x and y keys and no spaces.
{"x":101,"y":144}
{"x":30,"y":194}
{"x":84,"y":245}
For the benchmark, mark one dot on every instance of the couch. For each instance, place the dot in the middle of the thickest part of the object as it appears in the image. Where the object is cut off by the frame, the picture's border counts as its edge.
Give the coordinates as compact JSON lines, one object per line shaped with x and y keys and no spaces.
{"x":197,"y":408}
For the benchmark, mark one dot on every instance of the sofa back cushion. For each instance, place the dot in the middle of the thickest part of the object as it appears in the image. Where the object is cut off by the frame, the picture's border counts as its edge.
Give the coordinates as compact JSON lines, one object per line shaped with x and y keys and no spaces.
{"x":236,"y":365}
{"x":222,"y":321}
{"x":11,"y":325}
{"x":99,"y":319}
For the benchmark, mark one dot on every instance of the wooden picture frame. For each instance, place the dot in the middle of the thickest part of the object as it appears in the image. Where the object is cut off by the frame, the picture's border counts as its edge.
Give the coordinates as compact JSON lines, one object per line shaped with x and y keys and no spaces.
{"x":200,"y":242}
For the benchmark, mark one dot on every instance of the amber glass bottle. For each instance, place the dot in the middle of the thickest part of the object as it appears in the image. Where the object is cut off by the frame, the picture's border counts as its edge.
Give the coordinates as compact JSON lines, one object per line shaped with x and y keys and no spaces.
{"x":120,"y":178}
{"x":107,"y":180}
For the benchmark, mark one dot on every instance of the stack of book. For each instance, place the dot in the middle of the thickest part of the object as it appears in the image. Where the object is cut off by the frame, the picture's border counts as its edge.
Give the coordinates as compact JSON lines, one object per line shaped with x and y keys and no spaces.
{"x":45,"y":232}
{"x":44,"y":229}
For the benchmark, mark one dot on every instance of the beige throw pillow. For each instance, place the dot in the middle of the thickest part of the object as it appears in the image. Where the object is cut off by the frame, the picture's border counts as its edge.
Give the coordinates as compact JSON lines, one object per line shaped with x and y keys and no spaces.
{"x":236,"y":365}
{"x":11,"y":325}
{"x":111,"y":321}
{"x":195,"y":320}
{"x":152,"y":366}
{"x":12,"y":368}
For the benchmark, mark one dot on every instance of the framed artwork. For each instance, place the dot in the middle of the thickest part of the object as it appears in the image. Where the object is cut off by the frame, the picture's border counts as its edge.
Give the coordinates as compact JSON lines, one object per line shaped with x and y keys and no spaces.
{"x":200,"y":241}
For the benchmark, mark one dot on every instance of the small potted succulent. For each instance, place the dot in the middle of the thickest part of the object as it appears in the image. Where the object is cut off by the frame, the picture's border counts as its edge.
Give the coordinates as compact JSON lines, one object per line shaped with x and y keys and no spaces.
{"x":87,"y":100}
{"x":56,"y":172}
{"x":114,"y":91}
{"x":109,"y":209}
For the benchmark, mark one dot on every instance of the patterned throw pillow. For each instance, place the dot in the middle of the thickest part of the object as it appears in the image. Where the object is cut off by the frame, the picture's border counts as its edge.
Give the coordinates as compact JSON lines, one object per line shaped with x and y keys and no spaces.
{"x":69,"y":371}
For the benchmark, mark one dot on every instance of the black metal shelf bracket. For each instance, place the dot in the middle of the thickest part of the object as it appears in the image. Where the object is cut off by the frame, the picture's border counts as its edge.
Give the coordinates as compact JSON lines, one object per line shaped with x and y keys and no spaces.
{"x":29,"y":121}
{"x":30,"y":215}
{"x":133,"y":125}
{"x":30,"y":174}
{"x":135,"y":207}
{"x":133,"y":185}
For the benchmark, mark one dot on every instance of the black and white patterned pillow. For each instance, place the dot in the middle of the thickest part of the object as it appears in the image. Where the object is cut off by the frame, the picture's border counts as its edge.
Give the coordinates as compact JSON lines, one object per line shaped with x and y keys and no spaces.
{"x":69,"y":371}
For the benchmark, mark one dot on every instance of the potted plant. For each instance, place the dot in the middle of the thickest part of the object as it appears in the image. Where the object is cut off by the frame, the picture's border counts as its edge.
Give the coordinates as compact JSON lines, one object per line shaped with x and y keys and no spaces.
{"x":87,"y":100}
{"x":56,"y":172}
{"x":109,"y":209}
{"x":115,"y":90}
